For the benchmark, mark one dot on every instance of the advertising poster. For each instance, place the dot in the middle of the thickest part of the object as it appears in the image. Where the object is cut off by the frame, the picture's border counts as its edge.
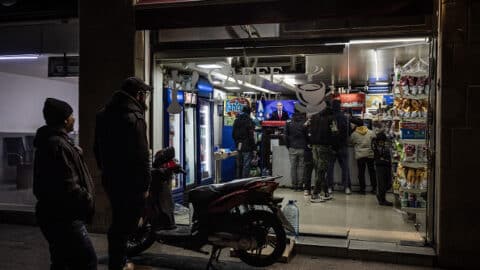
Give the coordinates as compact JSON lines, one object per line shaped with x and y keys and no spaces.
{"x":373,"y":101}
{"x":355,"y":100}
{"x":233,"y":106}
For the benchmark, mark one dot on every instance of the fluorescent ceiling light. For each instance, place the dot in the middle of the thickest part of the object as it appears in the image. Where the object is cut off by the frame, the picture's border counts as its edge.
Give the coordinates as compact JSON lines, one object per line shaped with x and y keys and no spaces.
{"x":393,"y":40}
{"x":375,"y":41}
{"x":240,"y":82}
{"x":19,"y":57}
{"x":209,"y":66}
{"x":232,"y":87}
{"x":250,"y":93}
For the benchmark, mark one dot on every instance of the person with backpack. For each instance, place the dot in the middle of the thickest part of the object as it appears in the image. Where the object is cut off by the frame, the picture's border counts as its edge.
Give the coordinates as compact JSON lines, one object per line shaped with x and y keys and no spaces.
{"x":323,"y":134}
{"x":296,"y":141}
{"x":361,"y":139}
{"x":381,"y":147}
{"x":243,"y":131}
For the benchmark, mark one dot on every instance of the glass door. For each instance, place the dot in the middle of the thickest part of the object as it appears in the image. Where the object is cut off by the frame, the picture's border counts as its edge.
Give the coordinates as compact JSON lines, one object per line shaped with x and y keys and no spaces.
{"x":190,"y":145}
{"x":205,"y":144}
{"x":174,"y":139}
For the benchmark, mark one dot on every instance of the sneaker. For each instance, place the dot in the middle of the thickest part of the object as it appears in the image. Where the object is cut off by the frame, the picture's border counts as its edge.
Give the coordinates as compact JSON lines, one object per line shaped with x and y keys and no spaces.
{"x":327,"y":196}
{"x":348,"y":191}
{"x":330,"y":190}
{"x":316,"y":199}
{"x":306,"y":192}
{"x":386,"y":203}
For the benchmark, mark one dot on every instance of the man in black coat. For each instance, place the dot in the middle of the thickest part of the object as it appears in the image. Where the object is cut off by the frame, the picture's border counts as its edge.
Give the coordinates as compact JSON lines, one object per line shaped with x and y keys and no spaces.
{"x":243,"y":131}
{"x":64,"y":190}
{"x":279,"y":114}
{"x":123,"y":155}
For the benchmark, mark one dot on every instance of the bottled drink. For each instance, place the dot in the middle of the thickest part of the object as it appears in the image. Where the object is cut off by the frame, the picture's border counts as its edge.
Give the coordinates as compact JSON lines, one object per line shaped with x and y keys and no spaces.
{"x":292,"y":214}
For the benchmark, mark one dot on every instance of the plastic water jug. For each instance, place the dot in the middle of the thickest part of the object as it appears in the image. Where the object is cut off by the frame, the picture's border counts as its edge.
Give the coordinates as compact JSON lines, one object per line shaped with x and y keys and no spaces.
{"x":292,"y":214}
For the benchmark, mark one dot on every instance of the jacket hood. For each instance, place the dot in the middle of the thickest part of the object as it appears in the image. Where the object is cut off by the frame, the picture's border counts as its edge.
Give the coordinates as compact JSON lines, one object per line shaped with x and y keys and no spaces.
{"x":122,"y":101}
{"x":361,"y":130}
{"x":44,"y":133}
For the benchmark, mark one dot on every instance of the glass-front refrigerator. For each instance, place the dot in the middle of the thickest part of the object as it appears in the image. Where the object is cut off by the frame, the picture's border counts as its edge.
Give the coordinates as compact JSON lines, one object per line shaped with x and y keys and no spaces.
{"x":205,"y":127}
{"x":190,"y":145}
{"x":175,"y":136}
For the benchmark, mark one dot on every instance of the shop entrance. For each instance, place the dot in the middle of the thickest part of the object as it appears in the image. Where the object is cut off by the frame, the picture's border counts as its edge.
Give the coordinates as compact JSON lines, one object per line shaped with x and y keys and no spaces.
{"x":384,"y":83}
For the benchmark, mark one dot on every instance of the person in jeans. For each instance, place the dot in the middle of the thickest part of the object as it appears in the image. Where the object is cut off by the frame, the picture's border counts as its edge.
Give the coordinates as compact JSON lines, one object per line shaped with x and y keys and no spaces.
{"x":243,"y":131}
{"x":296,"y":141}
{"x":123,"y":154}
{"x":342,"y":153}
{"x":323,"y":136}
{"x":361,"y":139}
{"x":381,"y":147}
{"x":64,"y":190}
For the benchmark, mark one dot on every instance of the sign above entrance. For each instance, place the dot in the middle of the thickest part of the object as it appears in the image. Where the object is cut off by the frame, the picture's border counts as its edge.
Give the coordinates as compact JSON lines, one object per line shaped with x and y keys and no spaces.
{"x":149,"y":2}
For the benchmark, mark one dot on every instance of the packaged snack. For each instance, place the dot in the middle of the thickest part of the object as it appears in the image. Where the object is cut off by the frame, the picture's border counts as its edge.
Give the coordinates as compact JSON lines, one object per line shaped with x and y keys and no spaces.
{"x":410,"y":152}
{"x":412,"y":86}
{"x":403,"y":88}
{"x":424,"y":107}
{"x":416,"y":109}
{"x":422,"y":153}
{"x":406,"y":108}
{"x":421,"y":85}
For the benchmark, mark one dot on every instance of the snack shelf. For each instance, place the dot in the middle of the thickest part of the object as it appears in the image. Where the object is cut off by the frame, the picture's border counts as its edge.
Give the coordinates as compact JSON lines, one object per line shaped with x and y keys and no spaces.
{"x":414,"y":141}
{"x":419,"y":97}
{"x":415,"y":165}
{"x":413,"y":190}
{"x":413,"y":209}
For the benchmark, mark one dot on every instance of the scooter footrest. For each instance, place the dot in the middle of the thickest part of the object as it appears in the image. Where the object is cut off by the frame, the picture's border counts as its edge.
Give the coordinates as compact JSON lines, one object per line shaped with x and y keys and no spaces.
{"x":179,"y":231}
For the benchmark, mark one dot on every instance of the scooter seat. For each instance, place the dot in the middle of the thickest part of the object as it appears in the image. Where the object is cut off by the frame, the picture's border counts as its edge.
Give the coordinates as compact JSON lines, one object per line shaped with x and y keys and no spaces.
{"x":205,"y":194}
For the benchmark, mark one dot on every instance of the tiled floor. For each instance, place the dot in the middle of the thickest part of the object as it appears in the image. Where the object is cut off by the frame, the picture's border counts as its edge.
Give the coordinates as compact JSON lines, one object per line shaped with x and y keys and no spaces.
{"x":354,"y":216}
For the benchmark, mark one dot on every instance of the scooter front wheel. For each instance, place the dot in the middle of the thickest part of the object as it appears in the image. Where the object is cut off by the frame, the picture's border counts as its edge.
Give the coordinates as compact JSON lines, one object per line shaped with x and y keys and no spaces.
{"x":270,"y":235}
{"x":140,"y":241}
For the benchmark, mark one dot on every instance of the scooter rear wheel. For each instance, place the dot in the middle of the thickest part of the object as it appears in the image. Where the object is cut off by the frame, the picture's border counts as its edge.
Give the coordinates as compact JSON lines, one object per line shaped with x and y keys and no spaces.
{"x":140,"y":241}
{"x":270,"y":235}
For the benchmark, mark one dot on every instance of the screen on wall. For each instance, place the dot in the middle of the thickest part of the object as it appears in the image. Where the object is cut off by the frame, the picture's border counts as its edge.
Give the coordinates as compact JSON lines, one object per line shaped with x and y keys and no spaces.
{"x":269,"y":106}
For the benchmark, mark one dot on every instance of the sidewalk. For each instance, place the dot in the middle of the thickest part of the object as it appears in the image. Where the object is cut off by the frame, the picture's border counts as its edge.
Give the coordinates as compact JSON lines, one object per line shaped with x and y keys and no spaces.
{"x":23,"y":248}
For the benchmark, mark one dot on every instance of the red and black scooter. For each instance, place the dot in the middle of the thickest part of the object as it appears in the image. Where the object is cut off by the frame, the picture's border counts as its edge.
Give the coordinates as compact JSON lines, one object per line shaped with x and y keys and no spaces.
{"x":242,"y":214}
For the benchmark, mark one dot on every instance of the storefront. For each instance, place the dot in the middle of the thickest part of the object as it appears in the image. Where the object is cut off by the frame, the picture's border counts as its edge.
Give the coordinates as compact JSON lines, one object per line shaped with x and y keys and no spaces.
{"x":453,"y":23}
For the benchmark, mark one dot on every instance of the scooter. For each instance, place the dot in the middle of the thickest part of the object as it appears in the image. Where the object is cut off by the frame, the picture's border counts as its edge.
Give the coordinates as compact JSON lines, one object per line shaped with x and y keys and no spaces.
{"x":242,"y":214}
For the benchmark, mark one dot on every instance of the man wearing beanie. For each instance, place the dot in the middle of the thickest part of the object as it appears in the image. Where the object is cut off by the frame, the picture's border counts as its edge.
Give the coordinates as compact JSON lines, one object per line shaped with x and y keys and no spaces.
{"x":64,"y":190}
{"x":122,"y":153}
{"x":243,"y":131}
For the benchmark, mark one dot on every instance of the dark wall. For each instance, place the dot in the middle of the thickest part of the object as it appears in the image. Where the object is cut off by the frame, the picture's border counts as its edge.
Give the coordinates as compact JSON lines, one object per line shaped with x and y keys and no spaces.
{"x":107,"y":38}
{"x":459,"y":180}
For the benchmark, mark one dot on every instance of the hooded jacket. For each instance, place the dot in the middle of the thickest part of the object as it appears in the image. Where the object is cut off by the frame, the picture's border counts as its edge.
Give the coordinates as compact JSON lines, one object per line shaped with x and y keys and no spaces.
{"x":243,"y":128}
{"x":296,"y":132}
{"x":361,"y":139}
{"x":61,"y":181}
{"x":121,"y":146}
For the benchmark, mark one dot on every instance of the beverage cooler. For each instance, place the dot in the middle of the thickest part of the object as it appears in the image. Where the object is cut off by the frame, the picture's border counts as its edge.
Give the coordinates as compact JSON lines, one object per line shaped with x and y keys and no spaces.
{"x":191,"y":133}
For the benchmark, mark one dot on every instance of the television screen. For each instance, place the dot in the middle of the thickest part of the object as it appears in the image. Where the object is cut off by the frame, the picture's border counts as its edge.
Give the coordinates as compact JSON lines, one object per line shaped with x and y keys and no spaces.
{"x":267,"y":107}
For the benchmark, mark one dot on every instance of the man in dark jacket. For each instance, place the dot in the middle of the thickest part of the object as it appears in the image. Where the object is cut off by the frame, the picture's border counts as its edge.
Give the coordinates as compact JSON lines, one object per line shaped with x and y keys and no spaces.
{"x":296,"y":140}
{"x":323,"y":134}
{"x":342,"y":153}
{"x":243,"y":129}
{"x":64,"y":190}
{"x":122,"y":153}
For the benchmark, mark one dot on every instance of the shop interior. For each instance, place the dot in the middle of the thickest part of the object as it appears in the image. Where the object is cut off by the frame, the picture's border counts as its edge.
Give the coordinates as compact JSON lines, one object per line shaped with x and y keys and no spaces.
{"x":384,"y":82}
